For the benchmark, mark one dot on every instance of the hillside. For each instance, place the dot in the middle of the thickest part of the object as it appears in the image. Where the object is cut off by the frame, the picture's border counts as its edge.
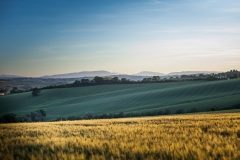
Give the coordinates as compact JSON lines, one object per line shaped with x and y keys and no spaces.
{"x":171,"y":97}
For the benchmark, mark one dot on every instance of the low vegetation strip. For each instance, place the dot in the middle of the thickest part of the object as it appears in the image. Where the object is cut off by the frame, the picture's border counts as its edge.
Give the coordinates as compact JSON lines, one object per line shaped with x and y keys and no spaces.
{"x":198,"y":136}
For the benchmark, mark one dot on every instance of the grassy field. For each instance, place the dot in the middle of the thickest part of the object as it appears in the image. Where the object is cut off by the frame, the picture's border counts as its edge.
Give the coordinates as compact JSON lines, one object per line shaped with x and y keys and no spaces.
{"x":191,"y":95}
{"x":197,"y":136}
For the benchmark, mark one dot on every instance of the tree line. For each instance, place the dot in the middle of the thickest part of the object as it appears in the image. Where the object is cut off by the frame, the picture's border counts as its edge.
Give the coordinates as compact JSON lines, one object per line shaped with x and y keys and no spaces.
{"x":232,"y":74}
{"x":142,"y":114}
{"x":36,"y":116}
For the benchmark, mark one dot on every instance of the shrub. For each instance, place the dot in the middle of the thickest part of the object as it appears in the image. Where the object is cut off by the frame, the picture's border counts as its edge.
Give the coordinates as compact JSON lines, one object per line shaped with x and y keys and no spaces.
{"x":8,"y":118}
{"x":35,"y":92}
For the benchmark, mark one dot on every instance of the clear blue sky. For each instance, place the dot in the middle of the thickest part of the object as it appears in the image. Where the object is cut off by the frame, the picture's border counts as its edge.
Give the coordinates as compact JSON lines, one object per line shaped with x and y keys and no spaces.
{"x":42,"y":37}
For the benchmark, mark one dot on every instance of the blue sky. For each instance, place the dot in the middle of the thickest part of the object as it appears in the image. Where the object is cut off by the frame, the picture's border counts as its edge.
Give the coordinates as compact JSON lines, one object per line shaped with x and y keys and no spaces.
{"x":42,"y":37}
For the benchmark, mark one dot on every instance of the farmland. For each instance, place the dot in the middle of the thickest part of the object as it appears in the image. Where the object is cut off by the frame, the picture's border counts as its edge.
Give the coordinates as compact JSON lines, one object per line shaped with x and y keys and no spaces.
{"x":194,"y":136}
{"x":127,"y":98}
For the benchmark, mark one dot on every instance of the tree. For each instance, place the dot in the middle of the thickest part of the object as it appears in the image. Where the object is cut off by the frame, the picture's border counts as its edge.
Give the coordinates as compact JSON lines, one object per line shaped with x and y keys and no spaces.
{"x":76,"y":83}
{"x":124,"y":80}
{"x":156,"y":78}
{"x":39,"y":115}
{"x":98,"y":79}
{"x":147,"y":80}
{"x":44,"y":114}
{"x":15,"y":90}
{"x":35,"y":92}
{"x":85,"y":81}
{"x":9,"y":118}
{"x":115,"y":79}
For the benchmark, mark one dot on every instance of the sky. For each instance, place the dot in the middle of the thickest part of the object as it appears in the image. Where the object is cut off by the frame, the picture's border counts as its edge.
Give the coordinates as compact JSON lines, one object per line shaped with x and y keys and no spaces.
{"x":44,"y":37}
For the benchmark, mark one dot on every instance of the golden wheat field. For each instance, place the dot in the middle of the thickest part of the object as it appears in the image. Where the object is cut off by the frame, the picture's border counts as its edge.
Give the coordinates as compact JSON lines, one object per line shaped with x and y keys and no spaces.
{"x":196,"y":136}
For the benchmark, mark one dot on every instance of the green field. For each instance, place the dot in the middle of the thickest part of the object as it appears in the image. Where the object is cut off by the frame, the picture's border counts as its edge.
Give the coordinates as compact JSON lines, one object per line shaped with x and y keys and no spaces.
{"x":127,"y":98}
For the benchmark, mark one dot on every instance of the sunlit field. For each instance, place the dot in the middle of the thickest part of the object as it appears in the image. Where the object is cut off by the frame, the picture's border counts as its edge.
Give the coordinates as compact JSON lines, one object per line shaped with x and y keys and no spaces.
{"x":195,"y":136}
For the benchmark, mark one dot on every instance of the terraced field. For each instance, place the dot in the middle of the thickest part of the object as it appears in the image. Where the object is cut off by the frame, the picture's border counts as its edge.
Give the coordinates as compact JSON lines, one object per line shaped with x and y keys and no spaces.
{"x":198,"y":136}
{"x":127,"y":98}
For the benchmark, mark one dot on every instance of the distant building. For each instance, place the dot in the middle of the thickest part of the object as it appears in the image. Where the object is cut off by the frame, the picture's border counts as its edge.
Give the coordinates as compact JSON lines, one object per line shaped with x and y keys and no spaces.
{"x":3,"y":91}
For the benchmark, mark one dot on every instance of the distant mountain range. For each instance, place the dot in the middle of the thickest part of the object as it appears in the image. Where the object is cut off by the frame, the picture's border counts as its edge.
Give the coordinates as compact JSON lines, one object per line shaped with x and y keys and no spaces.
{"x":148,"y":73}
{"x":81,"y":74}
{"x":142,"y":74}
{"x":102,"y":73}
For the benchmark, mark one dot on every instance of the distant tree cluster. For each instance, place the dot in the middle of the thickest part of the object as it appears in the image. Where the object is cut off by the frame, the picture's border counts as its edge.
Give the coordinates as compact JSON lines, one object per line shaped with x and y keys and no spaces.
{"x":107,"y":80}
{"x":36,"y":116}
{"x":15,"y":90}
{"x":153,"y":79}
{"x":3,"y":90}
{"x":95,"y":81}
{"x":232,"y":74}
{"x":116,"y":115}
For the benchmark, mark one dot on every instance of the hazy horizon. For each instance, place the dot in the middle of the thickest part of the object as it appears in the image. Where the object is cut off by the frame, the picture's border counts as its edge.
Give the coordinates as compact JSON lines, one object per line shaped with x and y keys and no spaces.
{"x":116,"y":73}
{"x":48,"y":37}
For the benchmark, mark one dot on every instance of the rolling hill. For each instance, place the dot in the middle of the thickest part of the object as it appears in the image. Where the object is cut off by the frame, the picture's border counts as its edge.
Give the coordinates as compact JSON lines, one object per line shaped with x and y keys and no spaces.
{"x":127,"y":98}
